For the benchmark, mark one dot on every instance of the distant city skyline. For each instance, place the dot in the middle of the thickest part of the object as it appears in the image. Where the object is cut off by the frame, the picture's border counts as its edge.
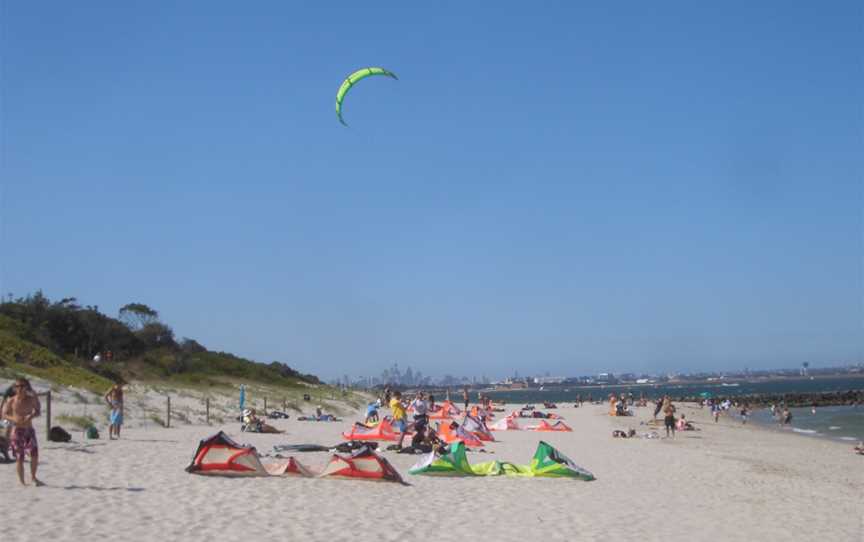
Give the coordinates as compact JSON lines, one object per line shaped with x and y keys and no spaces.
{"x":410,"y":377}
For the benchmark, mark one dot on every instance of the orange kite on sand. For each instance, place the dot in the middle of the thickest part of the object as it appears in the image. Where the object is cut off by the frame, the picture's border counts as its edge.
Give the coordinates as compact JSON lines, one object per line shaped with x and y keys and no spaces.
{"x":545,"y":426}
{"x":219,"y":455}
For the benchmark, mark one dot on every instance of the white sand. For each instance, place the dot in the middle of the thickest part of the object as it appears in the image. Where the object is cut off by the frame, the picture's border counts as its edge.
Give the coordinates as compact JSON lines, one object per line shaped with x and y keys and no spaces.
{"x":722,"y":483}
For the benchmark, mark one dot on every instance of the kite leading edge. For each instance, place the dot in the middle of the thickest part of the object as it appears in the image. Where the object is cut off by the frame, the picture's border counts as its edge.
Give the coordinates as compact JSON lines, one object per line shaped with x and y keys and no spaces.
{"x":352,"y":80}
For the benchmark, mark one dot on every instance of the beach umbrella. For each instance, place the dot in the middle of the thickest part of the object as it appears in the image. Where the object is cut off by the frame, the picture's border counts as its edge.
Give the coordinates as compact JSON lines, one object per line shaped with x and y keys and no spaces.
{"x":242,"y":396}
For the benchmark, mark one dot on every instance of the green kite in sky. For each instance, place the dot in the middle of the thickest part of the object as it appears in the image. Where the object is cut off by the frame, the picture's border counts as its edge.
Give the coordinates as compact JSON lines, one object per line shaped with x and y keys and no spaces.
{"x":352,"y":80}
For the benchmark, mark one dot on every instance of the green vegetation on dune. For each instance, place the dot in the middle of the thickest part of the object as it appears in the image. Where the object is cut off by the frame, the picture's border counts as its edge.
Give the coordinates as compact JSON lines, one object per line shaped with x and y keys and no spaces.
{"x":20,"y":356}
{"x":56,"y":341}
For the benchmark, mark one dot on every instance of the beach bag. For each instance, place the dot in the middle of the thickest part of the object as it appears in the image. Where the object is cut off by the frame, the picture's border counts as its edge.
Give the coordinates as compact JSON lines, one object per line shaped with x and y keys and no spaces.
{"x":58,"y":434}
{"x":92,"y":432}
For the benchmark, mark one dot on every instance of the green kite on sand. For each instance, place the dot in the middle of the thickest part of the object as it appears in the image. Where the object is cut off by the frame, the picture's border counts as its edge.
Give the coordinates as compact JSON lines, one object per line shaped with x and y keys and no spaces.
{"x":547,"y":462}
{"x":352,"y":80}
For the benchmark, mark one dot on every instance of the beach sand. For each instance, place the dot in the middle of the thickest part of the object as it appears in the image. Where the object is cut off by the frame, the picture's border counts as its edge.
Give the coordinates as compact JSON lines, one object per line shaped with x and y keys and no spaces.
{"x":725,"y":482}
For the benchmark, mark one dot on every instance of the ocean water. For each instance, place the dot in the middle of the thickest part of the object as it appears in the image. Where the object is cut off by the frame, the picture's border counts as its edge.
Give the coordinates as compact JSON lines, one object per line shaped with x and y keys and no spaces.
{"x":844,"y":423}
{"x":651,"y":391}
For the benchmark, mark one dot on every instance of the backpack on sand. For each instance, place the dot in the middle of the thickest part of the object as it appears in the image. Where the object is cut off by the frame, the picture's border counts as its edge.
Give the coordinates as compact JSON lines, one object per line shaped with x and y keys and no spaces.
{"x":58,"y":434}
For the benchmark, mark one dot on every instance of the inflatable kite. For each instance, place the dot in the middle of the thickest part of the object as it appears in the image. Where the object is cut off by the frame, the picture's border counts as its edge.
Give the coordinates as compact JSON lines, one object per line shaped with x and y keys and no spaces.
{"x":546,"y":426}
{"x":547,"y":462}
{"x":381,"y":431}
{"x":352,"y":80}
{"x":221,"y":456}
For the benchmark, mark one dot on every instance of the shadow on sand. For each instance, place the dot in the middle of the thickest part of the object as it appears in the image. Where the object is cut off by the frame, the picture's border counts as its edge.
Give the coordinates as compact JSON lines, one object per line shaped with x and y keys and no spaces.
{"x":100,"y":488}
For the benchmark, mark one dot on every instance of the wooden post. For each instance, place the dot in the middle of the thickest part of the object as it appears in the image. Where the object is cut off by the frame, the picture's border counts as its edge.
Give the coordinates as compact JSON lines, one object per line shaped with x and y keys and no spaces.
{"x":168,"y":416}
{"x":265,"y":406}
{"x":284,"y":405}
{"x":48,"y":414}
{"x":208,"y":410}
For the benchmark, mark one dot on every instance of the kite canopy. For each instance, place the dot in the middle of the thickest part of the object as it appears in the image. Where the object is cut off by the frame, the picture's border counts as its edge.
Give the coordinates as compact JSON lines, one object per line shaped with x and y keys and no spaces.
{"x":382,"y":431}
{"x":477,"y":427}
{"x":546,"y":426}
{"x":505,"y":424}
{"x":447,"y":411}
{"x":221,"y":456}
{"x":459,"y":434}
{"x":352,"y":80}
{"x":547,"y":462}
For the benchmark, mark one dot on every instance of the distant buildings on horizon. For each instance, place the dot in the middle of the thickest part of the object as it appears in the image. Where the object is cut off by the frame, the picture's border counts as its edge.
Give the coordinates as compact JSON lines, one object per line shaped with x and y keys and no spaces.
{"x":409,"y":378}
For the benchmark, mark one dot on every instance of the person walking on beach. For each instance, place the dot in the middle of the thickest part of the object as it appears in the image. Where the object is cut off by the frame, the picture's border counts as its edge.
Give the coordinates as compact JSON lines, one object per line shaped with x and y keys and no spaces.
{"x":657,"y":407}
{"x":465,"y":397}
{"x":669,"y":416}
{"x":744,"y":412}
{"x":398,"y":411}
{"x":20,"y":410}
{"x":114,"y":398}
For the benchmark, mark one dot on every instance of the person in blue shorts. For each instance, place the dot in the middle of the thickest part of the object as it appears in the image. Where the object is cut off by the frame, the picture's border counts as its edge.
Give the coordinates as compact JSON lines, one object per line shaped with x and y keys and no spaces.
{"x":114,"y":398}
{"x":398,"y":411}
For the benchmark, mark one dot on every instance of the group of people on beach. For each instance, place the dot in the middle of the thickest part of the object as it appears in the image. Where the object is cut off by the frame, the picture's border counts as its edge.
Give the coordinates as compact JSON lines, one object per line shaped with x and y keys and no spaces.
{"x":424,"y":438}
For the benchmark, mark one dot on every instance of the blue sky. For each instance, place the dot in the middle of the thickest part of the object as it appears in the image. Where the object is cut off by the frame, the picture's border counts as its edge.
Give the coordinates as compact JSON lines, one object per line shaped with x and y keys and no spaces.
{"x":553,"y":188}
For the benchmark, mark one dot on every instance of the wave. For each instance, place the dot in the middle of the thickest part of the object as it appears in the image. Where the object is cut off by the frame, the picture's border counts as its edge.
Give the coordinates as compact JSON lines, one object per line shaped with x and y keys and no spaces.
{"x":834,"y":428}
{"x":850,"y":439}
{"x":805,"y":431}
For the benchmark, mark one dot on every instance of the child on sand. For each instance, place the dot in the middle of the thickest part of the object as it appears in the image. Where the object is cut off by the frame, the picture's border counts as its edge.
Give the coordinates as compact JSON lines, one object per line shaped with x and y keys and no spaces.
{"x":372,"y":412}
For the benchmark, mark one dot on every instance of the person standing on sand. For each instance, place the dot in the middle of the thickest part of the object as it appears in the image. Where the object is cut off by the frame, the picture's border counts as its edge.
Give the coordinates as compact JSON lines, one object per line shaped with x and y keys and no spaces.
{"x":744,"y":412}
{"x":114,"y":398}
{"x":657,"y":407}
{"x":421,"y":420}
{"x":398,"y":411}
{"x":465,"y":397}
{"x":20,"y":410}
{"x":7,"y":396}
{"x":669,"y":416}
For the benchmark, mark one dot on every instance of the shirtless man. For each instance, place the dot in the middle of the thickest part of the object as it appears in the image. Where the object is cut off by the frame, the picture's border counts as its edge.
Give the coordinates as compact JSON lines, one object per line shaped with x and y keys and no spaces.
{"x":114,"y":398}
{"x":669,"y":416}
{"x":20,"y":410}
